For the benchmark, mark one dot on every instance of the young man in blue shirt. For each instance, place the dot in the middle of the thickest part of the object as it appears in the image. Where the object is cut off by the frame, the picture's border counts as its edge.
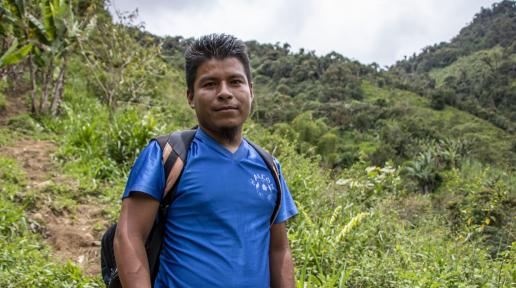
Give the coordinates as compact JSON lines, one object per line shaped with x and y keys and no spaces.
{"x":217,"y":231}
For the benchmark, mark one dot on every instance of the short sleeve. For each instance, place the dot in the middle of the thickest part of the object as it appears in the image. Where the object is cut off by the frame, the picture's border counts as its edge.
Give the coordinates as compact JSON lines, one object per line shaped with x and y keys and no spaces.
{"x":288,"y":208}
{"x":147,"y":174}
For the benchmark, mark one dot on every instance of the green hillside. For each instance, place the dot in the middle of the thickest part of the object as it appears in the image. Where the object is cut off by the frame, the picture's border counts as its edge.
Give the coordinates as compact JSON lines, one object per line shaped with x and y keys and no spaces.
{"x":476,"y":63}
{"x":474,"y":71}
{"x":397,"y":183}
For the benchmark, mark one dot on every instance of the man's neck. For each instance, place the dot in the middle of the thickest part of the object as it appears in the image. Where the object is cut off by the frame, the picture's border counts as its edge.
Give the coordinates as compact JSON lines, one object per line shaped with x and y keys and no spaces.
{"x":229,"y":139}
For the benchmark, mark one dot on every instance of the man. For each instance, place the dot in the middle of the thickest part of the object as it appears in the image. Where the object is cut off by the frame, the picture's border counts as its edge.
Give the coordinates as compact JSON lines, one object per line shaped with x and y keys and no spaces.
{"x":218,"y":231}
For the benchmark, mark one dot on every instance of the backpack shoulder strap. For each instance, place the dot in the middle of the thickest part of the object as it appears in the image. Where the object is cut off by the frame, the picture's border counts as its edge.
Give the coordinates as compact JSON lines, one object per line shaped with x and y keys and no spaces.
{"x":269,"y":161}
{"x":175,"y":150}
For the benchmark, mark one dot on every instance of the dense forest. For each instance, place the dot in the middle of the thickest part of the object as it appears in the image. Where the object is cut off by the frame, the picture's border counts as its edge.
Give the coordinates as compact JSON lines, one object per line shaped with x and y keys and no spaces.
{"x":404,"y":176}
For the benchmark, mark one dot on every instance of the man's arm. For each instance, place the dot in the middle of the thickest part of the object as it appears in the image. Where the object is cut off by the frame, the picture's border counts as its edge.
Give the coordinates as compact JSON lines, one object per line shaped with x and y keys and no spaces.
{"x":136,"y":220}
{"x":280,"y":260}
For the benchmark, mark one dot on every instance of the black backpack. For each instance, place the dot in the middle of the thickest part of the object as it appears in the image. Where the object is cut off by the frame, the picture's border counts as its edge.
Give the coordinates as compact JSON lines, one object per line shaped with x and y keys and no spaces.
{"x":174,"y":147}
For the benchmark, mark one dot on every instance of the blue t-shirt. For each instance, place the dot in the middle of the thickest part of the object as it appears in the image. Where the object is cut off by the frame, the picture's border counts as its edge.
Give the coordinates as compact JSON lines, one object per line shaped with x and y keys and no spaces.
{"x":218,"y":226}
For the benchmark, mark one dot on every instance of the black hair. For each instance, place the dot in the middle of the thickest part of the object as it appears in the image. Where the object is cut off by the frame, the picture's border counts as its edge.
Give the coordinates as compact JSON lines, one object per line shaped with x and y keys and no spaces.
{"x":214,"y":46}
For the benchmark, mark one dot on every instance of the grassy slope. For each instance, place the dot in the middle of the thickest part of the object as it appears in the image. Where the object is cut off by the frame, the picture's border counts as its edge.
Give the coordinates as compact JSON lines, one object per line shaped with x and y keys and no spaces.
{"x":450,"y":121}
{"x":469,"y":64}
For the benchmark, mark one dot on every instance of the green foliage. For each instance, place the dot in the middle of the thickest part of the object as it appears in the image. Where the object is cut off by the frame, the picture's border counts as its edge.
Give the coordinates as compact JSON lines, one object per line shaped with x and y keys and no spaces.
{"x":14,"y":54}
{"x":425,"y":171}
{"x":121,"y":69}
{"x":128,"y":134}
{"x":438,"y":101}
{"x":309,"y":129}
{"x":357,"y":237}
{"x":327,"y":147}
{"x":45,"y":32}
{"x":12,"y":177}
{"x":479,"y":201}
{"x":306,"y":179}
{"x":366,"y":185}
{"x":24,"y":123}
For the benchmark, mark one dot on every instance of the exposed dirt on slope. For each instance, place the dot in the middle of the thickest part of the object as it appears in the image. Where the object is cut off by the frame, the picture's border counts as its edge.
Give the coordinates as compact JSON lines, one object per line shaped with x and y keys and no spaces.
{"x":14,"y":106}
{"x":71,"y":232}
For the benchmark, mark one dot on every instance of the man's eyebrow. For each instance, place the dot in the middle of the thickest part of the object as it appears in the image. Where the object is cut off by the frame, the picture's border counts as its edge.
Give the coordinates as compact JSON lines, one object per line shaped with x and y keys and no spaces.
{"x":207,"y":78}
{"x":212,"y":78}
{"x":237,"y":75}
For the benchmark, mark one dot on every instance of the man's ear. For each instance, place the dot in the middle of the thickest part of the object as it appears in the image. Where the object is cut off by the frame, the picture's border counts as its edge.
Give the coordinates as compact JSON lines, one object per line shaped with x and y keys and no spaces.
{"x":189,"y":96}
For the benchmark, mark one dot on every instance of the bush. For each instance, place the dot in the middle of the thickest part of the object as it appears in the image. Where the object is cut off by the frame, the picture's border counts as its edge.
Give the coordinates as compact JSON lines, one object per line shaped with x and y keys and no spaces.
{"x":480,"y":205}
{"x":128,"y":134}
{"x":24,"y":123}
{"x":102,"y":147}
{"x":438,"y":101}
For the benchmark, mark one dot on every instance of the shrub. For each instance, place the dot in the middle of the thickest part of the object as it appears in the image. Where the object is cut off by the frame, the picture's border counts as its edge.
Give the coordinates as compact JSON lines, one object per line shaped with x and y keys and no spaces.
{"x":424,"y":170}
{"x":480,"y":205}
{"x":24,"y":123}
{"x":128,"y":134}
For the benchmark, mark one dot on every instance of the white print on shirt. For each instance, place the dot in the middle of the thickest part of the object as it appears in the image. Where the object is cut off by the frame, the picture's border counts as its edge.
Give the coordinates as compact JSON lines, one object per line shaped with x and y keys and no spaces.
{"x":264,"y":186}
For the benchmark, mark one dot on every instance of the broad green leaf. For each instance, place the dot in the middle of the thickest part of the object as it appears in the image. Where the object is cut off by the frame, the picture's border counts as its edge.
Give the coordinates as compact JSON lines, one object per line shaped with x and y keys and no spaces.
{"x":10,"y":50}
{"x":15,"y":56}
{"x":60,"y":15}
{"x":39,"y":58}
{"x":6,"y":15}
{"x":18,"y":6}
{"x":39,"y":29}
{"x":48,"y":20}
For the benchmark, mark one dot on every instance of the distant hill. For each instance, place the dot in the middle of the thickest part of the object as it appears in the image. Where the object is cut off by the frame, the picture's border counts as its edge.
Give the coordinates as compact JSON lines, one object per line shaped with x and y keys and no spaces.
{"x":491,"y":27}
{"x":475,"y":71}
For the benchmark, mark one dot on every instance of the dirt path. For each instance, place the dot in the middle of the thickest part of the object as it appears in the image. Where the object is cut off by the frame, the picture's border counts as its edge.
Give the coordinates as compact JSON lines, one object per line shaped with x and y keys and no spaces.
{"x":71,"y":233}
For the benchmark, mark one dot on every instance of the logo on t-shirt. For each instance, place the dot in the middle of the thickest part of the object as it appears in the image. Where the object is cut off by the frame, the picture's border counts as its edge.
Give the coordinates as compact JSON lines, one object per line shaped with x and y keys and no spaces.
{"x":264,"y":186}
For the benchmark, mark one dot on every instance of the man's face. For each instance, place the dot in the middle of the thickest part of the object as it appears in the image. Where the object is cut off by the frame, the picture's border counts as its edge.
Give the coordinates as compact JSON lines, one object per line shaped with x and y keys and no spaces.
{"x":222,"y":95}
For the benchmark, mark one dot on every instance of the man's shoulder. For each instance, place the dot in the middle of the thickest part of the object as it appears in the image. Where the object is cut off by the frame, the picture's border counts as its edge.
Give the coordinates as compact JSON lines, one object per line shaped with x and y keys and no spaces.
{"x":258,"y":149}
{"x":179,"y":140}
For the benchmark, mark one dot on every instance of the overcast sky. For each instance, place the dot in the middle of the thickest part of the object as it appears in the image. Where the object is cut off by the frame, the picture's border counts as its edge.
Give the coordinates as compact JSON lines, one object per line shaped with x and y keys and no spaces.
{"x":380,"y":31}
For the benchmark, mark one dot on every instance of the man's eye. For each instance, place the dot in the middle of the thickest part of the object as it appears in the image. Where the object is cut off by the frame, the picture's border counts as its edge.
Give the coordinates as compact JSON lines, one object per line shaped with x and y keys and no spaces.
{"x":236,"y":81}
{"x":208,"y":84}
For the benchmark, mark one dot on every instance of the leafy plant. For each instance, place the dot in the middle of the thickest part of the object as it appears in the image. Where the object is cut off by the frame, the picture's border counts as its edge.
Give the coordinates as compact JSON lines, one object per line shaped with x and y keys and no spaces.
{"x":424,"y":171}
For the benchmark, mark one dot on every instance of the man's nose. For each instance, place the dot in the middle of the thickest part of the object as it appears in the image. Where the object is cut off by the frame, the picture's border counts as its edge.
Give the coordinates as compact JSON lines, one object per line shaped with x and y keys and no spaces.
{"x":224,"y":91}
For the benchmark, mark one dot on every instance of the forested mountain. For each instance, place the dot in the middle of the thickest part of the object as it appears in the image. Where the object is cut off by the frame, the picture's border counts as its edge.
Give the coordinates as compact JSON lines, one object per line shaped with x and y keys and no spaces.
{"x":474,"y":72}
{"x":404,"y":177}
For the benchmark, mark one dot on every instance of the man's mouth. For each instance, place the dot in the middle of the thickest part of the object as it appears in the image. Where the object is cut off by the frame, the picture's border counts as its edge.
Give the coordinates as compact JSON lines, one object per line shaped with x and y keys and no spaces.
{"x":226,"y":108}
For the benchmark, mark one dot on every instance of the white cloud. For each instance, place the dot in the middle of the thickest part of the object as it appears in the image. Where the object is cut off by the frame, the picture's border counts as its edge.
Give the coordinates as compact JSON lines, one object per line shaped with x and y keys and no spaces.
{"x":379,"y":31}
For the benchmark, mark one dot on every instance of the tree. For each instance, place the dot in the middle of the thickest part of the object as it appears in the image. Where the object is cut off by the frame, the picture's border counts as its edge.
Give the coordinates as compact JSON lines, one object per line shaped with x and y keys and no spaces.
{"x":12,"y":51}
{"x":46,"y":42}
{"x":437,"y":100}
{"x":120,"y":67}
